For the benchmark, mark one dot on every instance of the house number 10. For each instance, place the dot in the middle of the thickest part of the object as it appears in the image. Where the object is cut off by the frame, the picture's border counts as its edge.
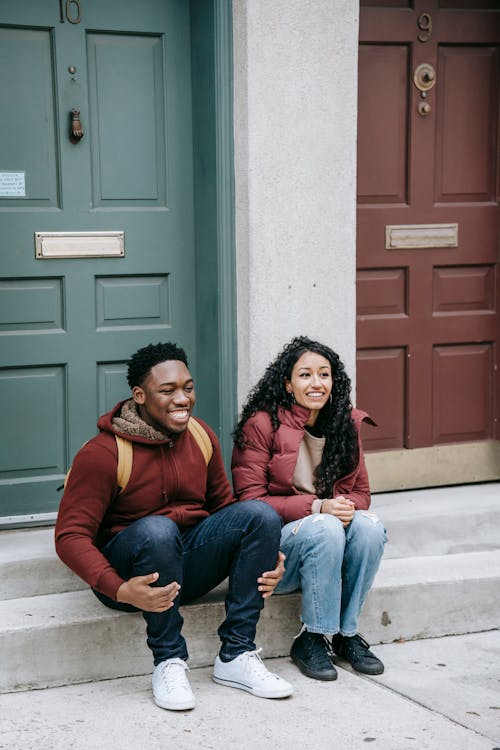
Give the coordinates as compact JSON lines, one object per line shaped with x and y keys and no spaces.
{"x":73,"y":15}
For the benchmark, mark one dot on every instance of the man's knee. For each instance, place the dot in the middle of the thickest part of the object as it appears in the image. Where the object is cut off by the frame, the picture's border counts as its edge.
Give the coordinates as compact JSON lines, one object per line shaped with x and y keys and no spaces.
{"x":261,"y":514}
{"x":155,"y":532}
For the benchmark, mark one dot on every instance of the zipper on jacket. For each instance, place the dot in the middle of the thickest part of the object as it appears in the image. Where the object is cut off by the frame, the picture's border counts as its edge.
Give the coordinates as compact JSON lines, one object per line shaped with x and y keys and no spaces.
{"x":175,"y":470}
{"x":164,"y":471}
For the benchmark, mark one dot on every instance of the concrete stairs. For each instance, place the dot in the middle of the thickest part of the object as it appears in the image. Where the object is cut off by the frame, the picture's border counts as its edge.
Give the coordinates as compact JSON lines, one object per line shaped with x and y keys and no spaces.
{"x":440,"y":576}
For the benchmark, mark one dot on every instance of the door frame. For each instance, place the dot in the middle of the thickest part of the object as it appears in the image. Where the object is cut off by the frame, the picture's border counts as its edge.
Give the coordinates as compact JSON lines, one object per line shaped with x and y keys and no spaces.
{"x":215,"y":256}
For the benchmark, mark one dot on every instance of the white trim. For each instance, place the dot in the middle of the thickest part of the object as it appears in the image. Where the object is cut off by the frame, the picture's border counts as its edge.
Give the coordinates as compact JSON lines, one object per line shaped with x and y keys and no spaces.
{"x":31,"y":519}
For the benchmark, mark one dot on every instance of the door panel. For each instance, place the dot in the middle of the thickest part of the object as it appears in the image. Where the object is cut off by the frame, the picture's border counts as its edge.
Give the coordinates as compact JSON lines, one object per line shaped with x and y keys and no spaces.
{"x":463,"y":375}
{"x":466,"y":116}
{"x":68,"y":325}
{"x":428,"y":224}
{"x":388,"y":365}
{"x":29,"y":137}
{"x":386,"y":181}
{"x":125,"y":116}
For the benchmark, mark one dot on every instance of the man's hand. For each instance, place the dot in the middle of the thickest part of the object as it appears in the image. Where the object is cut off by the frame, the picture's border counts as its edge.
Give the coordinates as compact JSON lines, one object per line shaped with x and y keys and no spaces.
{"x":270,"y":579}
{"x":139,"y":592}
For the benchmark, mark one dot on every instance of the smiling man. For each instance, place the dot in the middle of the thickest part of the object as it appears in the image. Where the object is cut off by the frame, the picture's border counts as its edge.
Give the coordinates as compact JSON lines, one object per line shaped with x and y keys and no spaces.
{"x":172,"y":531}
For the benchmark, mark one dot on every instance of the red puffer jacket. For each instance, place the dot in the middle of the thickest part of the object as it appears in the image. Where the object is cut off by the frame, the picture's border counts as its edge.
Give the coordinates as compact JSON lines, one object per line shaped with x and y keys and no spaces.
{"x":264,"y":468}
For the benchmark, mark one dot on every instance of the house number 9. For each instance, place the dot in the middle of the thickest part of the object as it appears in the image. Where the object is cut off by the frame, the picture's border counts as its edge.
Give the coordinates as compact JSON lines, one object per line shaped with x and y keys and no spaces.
{"x":424,"y":23}
{"x":73,"y":14}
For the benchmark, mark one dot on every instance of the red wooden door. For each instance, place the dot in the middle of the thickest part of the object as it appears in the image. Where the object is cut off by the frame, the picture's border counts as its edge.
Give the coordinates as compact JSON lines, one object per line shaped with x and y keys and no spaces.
{"x":428,"y":221}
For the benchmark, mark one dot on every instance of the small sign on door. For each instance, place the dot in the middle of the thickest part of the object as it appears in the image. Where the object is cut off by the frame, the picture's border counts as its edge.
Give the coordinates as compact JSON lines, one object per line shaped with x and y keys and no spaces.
{"x":12,"y":185}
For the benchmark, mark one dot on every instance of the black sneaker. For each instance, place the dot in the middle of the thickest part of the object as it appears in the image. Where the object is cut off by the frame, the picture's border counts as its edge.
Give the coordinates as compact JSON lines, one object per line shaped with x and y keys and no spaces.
{"x":311,"y":653}
{"x":356,"y":651}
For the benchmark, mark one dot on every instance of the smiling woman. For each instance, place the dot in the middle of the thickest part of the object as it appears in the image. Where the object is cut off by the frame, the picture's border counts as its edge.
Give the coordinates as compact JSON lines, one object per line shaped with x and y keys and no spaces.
{"x":311,"y":383}
{"x":297,"y":447}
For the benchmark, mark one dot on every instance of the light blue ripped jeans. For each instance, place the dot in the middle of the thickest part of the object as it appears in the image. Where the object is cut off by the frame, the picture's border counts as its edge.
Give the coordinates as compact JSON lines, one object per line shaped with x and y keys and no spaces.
{"x":333,"y":567}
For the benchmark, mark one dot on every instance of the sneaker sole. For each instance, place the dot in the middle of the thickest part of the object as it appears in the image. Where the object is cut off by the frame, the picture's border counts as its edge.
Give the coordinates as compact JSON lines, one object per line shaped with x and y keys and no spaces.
{"x":283,"y":693}
{"x":368,"y":671}
{"x":373,"y":671}
{"x":314,"y":675}
{"x":176,"y":706}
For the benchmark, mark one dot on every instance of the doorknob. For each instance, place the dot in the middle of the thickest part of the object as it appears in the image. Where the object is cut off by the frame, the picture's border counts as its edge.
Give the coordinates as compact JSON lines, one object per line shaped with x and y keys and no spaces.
{"x":424,"y":77}
{"x":424,"y":108}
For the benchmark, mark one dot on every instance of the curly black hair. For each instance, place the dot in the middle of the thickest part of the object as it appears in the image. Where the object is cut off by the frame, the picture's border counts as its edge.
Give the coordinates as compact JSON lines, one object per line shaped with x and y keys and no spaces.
{"x":334,"y":421}
{"x":140,"y":363}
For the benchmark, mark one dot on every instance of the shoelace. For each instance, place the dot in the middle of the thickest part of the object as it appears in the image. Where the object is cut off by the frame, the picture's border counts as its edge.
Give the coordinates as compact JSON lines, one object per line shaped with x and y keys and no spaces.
{"x":360,"y":649}
{"x":173,"y":675}
{"x":255,"y":665}
{"x":323,"y":655}
{"x":359,"y":643}
{"x":328,"y":648}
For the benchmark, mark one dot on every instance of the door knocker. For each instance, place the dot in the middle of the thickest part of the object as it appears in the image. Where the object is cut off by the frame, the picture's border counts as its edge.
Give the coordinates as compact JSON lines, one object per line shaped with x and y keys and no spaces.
{"x":76,"y":130}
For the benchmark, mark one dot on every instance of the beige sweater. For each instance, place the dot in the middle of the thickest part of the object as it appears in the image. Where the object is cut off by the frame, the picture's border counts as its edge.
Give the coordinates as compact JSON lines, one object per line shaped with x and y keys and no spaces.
{"x":310,"y":454}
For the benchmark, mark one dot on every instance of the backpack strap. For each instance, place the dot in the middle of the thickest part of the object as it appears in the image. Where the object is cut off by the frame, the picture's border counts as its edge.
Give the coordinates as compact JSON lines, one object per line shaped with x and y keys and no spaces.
{"x":124,"y":467}
{"x":201,"y":436}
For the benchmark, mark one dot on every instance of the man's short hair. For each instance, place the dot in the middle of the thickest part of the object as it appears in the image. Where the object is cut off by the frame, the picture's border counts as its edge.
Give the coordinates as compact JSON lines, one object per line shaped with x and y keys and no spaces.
{"x":140,"y":363}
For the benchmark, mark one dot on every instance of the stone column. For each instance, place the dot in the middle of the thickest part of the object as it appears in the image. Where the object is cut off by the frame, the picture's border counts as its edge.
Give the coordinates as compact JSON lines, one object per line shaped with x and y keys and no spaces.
{"x":295,"y":109}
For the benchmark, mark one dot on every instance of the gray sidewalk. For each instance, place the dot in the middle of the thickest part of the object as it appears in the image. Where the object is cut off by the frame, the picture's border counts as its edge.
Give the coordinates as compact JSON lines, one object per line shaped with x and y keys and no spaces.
{"x":441,"y":693}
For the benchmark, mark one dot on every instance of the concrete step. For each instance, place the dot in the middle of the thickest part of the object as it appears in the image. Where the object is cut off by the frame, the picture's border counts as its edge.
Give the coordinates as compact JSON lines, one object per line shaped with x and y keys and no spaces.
{"x":440,"y":576}
{"x":29,"y":565}
{"x":64,"y":638}
{"x":440,"y":521}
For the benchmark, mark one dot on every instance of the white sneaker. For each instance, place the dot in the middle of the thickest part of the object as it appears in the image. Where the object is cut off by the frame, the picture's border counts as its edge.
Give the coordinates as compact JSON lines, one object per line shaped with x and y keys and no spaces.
{"x":171,"y":688}
{"x":248,"y":672}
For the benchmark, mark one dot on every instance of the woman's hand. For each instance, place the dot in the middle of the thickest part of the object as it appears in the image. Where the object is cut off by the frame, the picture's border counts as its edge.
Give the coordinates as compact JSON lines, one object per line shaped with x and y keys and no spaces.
{"x":270,"y":579}
{"x":342,"y":507}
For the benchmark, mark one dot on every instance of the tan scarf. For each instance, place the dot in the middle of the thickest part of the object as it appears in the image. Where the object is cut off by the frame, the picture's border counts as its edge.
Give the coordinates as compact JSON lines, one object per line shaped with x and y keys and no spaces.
{"x":129,"y":422}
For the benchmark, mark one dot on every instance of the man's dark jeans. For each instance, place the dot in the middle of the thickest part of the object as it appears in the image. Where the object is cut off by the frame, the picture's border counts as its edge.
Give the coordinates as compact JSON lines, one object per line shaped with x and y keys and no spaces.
{"x":240,"y":541}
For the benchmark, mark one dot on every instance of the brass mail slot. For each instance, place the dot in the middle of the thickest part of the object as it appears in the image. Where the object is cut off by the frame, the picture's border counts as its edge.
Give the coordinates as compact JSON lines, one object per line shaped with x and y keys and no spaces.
{"x":415,"y":236}
{"x":79,"y":244}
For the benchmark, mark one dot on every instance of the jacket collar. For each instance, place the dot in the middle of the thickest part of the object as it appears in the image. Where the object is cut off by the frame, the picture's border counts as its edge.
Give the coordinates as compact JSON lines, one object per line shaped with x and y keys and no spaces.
{"x":297,"y":416}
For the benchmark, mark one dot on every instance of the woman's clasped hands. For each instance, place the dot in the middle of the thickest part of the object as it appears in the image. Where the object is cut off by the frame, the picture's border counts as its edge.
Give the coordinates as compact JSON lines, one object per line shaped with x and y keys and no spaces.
{"x":342,"y":507}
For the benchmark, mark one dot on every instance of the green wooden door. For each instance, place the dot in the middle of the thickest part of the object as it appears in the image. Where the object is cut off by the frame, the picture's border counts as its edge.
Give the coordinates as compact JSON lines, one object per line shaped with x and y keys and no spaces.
{"x":68,"y":324}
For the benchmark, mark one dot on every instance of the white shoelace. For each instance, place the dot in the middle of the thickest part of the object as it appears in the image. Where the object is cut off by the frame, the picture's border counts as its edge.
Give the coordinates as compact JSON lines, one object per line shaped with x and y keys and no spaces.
{"x":173,"y":676}
{"x":256,"y":666}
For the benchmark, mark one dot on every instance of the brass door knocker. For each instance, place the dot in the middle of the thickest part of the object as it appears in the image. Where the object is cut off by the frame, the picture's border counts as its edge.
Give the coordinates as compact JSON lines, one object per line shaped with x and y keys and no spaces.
{"x":76,"y":130}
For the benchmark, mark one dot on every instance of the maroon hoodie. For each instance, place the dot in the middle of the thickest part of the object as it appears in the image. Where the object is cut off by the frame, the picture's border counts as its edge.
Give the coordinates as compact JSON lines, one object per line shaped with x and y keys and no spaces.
{"x":169,"y":478}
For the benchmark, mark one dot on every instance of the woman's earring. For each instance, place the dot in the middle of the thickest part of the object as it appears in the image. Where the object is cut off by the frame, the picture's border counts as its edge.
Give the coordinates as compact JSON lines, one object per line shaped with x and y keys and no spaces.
{"x":331,"y":398}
